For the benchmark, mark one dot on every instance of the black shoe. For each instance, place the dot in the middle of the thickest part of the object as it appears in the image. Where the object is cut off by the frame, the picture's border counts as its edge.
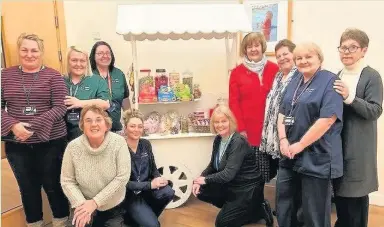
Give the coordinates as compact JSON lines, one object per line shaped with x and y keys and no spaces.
{"x":268,"y":217}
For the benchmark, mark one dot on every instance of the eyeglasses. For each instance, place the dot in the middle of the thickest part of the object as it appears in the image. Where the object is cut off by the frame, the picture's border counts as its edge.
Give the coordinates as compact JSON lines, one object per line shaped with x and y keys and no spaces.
{"x":97,"y":121}
{"x":100,"y":54}
{"x":351,"y":49}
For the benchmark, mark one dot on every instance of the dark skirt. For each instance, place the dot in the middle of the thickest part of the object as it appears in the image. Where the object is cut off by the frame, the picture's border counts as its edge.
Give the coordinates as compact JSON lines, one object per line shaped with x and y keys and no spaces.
{"x":267,"y":165}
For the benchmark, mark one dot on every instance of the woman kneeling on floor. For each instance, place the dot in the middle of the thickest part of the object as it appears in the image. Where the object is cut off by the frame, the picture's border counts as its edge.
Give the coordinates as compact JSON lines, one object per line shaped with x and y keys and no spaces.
{"x":147,"y":192}
{"x":232,"y":180}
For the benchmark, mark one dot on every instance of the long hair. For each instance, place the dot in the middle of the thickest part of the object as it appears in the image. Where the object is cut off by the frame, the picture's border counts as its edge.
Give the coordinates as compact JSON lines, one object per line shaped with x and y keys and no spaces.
{"x":93,"y":55}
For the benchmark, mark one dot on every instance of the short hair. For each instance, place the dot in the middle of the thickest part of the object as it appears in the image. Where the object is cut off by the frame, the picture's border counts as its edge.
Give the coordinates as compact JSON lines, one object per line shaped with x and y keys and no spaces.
{"x":285,"y":43}
{"x":92,"y":56}
{"x":33,"y":37}
{"x":98,"y":110}
{"x":253,"y":37}
{"x":223,"y":109}
{"x":355,"y":34}
{"x":310,"y":47}
{"x":77,"y":49}
{"x":132,"y":113}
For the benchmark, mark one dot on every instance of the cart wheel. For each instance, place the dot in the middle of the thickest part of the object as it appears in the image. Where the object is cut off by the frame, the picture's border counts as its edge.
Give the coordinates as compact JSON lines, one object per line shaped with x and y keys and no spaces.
{"x":180,"y":178}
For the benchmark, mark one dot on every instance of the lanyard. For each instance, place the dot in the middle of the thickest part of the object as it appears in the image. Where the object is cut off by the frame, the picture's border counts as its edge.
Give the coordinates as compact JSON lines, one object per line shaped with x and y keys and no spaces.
{"x":138,"y":170}
{"x":71,"y":93}
{"x":218,"y":159}
{"x":296,"y":97}
{"x":28,"y":93}
{"x":109,"y":83}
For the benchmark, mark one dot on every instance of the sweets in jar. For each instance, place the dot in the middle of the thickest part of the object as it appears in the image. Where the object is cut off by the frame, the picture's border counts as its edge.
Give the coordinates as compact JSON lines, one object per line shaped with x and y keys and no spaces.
{"x":161,"y":79}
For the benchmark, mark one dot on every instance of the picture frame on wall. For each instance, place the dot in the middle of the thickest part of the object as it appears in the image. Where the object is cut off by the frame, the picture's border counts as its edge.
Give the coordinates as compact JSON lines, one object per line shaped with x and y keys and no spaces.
{"x":273,"y":18}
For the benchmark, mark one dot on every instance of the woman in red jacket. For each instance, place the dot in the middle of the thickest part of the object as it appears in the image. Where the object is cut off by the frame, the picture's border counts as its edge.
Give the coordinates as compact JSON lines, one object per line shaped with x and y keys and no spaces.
{"x":249,"y":85}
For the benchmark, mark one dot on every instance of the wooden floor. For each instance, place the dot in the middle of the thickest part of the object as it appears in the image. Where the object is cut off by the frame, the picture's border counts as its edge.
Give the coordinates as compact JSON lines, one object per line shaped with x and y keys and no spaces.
{"x":199,"y":214}
{"x":192,"y":214}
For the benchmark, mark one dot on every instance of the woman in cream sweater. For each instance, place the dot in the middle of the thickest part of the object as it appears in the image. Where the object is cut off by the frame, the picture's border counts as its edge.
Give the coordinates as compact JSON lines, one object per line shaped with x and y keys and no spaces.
{"x":96,"y":168}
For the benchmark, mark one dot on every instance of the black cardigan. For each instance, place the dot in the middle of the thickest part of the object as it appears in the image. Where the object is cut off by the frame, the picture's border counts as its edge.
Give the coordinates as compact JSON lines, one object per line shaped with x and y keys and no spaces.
{"x":133,"y":185}
{"x":238,"y":165}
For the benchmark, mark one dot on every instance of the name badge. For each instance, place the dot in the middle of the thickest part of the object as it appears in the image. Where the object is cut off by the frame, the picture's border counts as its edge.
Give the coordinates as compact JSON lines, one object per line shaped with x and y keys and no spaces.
{"x":73,"y":117}
{"x":289,"y":121}
{"x":112,"y":107}
{"x":29,"y":110}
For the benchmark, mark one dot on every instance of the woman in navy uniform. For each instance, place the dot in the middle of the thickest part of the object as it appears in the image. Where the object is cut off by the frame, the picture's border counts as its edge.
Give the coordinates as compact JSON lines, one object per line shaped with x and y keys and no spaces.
{"x":309,"y":125}
{"x":148,"y":193}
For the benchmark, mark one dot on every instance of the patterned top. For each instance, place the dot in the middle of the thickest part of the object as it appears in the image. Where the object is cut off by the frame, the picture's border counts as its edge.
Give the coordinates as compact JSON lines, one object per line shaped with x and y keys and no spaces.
{"x":46,"y":90}
{"x":270,"y":138}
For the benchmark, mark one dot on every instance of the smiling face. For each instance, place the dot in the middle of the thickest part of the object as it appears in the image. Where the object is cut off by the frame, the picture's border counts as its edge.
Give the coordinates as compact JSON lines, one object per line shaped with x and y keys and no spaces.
{"x":350,"y":52}
{"x":103,"y":56}
{"x":307,"y":62}
{"x":284,"y":59}
{"x":221,"y":124}
{"x":30,"y":56}
{"x":95,"y":126}
{"x":77,"y":63}
{"x":135,"y":128}
{"x":254,"y":51}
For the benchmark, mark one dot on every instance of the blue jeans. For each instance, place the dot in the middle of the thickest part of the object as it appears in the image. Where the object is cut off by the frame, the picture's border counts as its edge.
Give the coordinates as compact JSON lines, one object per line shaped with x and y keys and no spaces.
{"x":35,"y":166}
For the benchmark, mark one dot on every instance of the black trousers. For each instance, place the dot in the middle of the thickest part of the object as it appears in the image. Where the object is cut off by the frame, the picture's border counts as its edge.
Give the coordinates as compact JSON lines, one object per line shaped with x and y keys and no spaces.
{"x":352,"y":212}
{"x":315,"y":194}
{"x":35,"y":166}
{"x":237,"y":209}
{"x":108,"y":218}
{"x":145,"y":208}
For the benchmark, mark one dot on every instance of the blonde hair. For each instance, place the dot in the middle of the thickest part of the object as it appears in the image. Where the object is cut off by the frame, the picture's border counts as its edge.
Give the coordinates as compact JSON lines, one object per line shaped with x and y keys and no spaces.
{"x":132,"y":113}
{"x":308,"y":47}
{"x":33,"y":37}
{"x":97,"y":110}
{"x":79,"y":50}
{"x":223,"y":109}
{"x":253,"y":37}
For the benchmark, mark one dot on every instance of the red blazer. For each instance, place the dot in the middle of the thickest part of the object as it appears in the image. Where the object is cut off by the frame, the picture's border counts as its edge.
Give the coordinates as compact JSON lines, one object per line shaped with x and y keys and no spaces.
{"x":247,"y":97}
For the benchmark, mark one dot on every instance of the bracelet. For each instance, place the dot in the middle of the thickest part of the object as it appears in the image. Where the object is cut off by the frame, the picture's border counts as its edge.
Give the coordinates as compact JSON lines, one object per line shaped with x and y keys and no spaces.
{"x":282,"y":138}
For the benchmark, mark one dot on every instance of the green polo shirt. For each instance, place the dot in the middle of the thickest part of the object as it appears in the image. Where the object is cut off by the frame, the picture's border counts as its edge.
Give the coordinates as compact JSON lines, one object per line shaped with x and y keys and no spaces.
{"x":90,"y":87}
{"x":120,"y":91}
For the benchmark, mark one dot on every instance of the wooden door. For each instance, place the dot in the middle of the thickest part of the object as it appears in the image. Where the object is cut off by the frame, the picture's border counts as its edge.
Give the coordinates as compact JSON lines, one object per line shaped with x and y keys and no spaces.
{"x":43,"y":18}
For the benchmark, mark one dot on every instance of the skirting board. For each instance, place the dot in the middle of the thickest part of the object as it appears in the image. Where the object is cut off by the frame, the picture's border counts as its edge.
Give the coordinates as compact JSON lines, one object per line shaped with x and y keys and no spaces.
{"x":376,"y":198}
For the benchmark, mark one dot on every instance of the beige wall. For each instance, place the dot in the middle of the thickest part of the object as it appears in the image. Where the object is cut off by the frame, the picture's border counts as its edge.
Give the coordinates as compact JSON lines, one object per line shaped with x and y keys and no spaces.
{"x":318,"y":21}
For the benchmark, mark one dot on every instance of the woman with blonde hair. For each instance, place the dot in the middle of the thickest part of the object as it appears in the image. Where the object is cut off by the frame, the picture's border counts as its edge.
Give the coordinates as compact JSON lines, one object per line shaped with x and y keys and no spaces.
{"x":148,"y":193}
{"x":32,"y":121}
{"x":309,"y":128}
{"x":232,"y":180}
{"x":96,"y":168}
{"x":84,"y":89}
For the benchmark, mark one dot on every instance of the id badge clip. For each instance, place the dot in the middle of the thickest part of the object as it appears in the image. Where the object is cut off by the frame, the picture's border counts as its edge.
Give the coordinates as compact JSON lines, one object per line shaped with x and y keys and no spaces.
{"x":29,"y":110}
{"x":289,"y":120}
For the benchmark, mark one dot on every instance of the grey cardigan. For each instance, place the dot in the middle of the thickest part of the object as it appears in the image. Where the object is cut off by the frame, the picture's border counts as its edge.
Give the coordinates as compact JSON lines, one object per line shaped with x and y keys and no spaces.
{"x":359,"y":137}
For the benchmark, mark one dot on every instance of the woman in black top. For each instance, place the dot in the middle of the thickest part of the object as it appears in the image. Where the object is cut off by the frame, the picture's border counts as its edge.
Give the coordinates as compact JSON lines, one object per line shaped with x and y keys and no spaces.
{"x":232,"y":180}
{"x":148,"y":193}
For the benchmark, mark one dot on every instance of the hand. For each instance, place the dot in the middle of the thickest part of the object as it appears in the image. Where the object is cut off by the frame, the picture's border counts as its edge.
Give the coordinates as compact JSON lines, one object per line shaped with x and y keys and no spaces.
{"x":195,"y":189}
{"x":341,"y":88}
{"x":158,"y":182}
{"x":244,"y":133}
{"x":200,"y":180}
{"x":20,"y":131}
{"x":295,"y":149}
{"x":72,"y":102}
{"x":84,"y":211}
{"x":284,"y":147}
{"x":83,"y":221}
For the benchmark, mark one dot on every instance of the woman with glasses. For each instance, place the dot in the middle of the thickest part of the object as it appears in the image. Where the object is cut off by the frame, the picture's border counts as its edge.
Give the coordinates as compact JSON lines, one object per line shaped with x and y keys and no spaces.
{"x":96,"y":168}
{"x":103,"y":64}
{"x":83,"y":89}
{"x":362,"y":90}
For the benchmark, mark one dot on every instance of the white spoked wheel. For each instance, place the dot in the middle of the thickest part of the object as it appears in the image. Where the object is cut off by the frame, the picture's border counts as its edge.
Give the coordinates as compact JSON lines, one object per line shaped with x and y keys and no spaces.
{"x":181,"y":181}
